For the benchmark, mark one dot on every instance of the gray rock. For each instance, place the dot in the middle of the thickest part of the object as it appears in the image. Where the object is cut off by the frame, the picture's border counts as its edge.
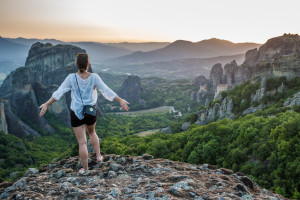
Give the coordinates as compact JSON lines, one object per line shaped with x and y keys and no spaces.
{"x":216,"y":74}
{"x":206,"y":102}
{"x":115,"y":167}
{"x":3,"y":122}
{"x":59,"y":174}
{"x":14,"y":174}
{"x":263,"y":83}
{"x":252,"y":110}
{"x":166,"y":130}
{"x":132,"y":89}
{"x":65,"y":185}
{"x":185,"y":126}
{"x":111,"y":174}
{"x":229,"y":71}
{"x":247,"y":181}
{"x":31,"y":171}
{"x":147,"y":157}
{"x":15,"y":125}
{"x":115,"y":192}
{"x":127,"y":190}
{"x":204,"y":166}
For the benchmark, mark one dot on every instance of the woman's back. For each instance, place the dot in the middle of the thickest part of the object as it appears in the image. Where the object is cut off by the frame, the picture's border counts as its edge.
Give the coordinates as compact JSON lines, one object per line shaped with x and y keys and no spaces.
{"x":86,"y":88}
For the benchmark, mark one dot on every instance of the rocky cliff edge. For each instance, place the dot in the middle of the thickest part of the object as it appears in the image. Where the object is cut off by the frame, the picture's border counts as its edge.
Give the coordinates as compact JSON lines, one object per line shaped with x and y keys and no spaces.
{"x":133,"y":177}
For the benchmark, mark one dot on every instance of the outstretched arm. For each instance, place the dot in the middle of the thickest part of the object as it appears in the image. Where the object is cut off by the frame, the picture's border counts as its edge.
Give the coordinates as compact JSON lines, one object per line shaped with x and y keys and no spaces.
{"x":46,"y":105}
{"x":109,"y":94}
{"x":123,"y":103}
{"x":63,"y":88}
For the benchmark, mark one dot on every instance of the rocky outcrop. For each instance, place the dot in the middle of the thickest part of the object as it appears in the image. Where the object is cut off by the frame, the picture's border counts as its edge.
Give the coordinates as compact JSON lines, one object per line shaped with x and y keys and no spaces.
{"x":274,"y":49}
{"x":58,"y":108}
{"x":216,"y":75}
{"x":132,"y":89}
{"x":252,"y":109}
{"x":51,"y":64}
{"x":293,"y":101}
{"x":3,"y":123}
{"x":204,"y":89}
{"x":185,"y":126}
{"x":229,"y":71}
{"x":216,"y":112}
{"x":23,"y":100}
{"x":201,"y":81}
{"x":279,"y":56}
{"x":166,"y":130}
{"x":15,"y":125}
{"x":134,"y":177}
{"x":27,"y":87}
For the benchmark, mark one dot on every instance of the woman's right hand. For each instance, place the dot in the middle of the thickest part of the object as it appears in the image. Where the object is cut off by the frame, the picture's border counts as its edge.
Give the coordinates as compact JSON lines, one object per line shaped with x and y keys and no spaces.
{"x":44,"y":109}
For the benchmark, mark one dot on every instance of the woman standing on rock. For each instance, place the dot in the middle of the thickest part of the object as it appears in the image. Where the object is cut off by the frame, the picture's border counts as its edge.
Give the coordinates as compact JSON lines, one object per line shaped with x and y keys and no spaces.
{"x":87,"y":83}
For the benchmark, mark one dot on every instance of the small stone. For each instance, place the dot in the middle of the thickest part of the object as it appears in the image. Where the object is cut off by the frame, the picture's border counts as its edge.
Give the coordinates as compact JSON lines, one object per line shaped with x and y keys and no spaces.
{"x":178,"y":177}
{"x":127,"y":190}
{"x":99,"y":196}
{"x":241,"y":188}
{"x":248,"y":182}
{"x":147,"y":157}
{"x":111,"y":174}
{"x":203,"y":167}
{"x":240,"y":174}
{"x":115,"y":166}
{"x":176,"y":191}
{"x":115,"y":192}
{"x":65,"y":185}
{"x":226,"y":171}
{"x":58,"y":174}
{"x":212,"y":167}
{"x":31,"y":171}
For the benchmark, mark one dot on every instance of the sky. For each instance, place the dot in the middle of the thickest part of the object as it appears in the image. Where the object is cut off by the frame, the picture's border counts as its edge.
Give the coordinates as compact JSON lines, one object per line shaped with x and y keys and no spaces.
{"x":149,"y":20}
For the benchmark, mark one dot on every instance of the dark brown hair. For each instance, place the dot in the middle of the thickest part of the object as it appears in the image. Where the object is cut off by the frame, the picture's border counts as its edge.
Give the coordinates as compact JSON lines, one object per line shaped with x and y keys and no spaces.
{"x":82,"y":60}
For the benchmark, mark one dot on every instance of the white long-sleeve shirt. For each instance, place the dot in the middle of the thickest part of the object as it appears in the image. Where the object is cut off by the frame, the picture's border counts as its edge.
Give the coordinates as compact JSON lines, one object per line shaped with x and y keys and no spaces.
{"x":88,"y":91}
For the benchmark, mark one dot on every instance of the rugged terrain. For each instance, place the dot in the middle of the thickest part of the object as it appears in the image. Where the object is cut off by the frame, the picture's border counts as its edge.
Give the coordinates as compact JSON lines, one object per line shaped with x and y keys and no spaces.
{"x":27,"y":87}
{"x":133,"y":177}
{"x":278,"y":57}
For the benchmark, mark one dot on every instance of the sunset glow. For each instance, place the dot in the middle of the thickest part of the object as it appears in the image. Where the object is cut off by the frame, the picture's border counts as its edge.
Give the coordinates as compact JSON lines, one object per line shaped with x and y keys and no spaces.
{"x":138,"y":21}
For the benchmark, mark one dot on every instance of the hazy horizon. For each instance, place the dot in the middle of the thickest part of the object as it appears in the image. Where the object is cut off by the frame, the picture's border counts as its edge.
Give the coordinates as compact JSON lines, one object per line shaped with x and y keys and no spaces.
{"x":146,"y":41}
{"x":137,"y":21}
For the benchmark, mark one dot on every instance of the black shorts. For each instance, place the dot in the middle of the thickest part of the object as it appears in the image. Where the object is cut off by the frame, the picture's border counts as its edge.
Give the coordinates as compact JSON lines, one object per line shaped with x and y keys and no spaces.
{"x":75,"y":122}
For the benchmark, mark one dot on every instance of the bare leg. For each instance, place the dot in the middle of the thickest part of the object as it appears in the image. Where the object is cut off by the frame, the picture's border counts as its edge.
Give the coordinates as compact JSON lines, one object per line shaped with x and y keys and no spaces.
{"x":83,"y":152}
{"x":94,"y":140}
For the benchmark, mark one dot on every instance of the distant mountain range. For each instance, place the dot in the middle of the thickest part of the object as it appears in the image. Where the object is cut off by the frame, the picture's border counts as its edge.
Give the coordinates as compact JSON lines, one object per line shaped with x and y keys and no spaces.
{"x":143,"y":46}
{"x":179,"y":56}
{"x":181,"y":49}
{"x":98,"y":51}
{"x":187,"y":68}
{"x":10,"y":50}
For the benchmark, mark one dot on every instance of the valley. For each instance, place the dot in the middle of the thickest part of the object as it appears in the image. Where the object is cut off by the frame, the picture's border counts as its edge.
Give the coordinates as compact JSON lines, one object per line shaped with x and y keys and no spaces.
{"x":240,"y":114}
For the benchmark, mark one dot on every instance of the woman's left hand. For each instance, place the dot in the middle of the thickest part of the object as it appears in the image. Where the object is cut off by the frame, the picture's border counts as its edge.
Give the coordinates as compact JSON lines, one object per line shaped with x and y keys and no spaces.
{"x":44,"y":109}
{"x":123,"y":104}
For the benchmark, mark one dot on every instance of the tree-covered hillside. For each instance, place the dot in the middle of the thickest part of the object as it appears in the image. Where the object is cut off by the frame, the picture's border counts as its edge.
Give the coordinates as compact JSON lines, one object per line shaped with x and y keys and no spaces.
{"x":264,"y":145}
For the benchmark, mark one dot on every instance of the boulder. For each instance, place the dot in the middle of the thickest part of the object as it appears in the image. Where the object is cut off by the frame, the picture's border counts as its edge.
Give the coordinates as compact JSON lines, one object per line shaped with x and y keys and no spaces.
{"x":185,"y":126}
{"x":166,"y":130}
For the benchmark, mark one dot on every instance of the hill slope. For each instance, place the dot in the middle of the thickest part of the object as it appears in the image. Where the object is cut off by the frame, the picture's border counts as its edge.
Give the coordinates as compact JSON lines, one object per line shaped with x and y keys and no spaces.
{"x":181,"y":49}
